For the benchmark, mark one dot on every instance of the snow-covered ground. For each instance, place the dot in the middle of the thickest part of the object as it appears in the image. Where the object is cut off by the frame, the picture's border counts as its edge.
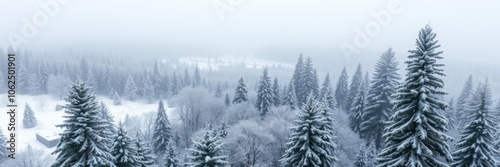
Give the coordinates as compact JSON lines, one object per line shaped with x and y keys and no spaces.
{"x":47,"y":116}
{"x":214,"y":63}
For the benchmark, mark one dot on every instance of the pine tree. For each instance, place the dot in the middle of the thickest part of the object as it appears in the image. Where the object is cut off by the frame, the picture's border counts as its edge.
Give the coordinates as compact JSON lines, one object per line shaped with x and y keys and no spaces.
{"x":218,"y":90}
{"x":81,"y":143}
{"x":264,"y":95}
{"x":475,"y":147}
{"x":308,"y":82}
{"x":158,"y":83}
{"x":162,"y":131}
{"x":131,"y":88}
{"x":223,"y":130}
{"x":149,"y":92}
{"x":415,"y":134}
{"x":276,"y":92}
{"x":3,"y":146}
{"x":105,"y":79}
{"x":290,"y":99}
{"x":171,"y":159}
{"x":145,"y":156}
{"x":92,"y":81}
{"x":462,"y":100}
{"x":364,"y":158}
{"x":358,"y":105}
{"x":84,"y":70}
{"x":29,"y":119}
{"x":22,"y":79}
{"x":356,"y":82}
{"x":42,"y":78}
{"x":240,"y":94}
{"x":326,"y":93}
{"x":187,"y":78}
{"x":451,"y":114}
{"x":378,"y":106}
{"x":175,"y":85}
{"x":110,"y":131}
{"x":227,"y":100}
{"x":311,"y":142}
{"x":297,"y":73}
{"x":116,"y":99}
{"x":207,"y":151}
{"x":124,"y":150}
{"x":197,"y":77}
{"x":341,"y":91}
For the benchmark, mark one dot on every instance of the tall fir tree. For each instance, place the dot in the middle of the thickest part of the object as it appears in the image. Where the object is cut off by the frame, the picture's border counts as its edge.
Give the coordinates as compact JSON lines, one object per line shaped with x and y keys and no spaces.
{"x":42,"y":78}
{"x":197,"y":77}
{"x":83,"y":72}
{"x":462,"y":100}
{"x":415,"y":134}
{"x":356,"y":82}
{"x":227,"y":100}
{"x":311,"y":142}
{"x":326,"y":93}
{"x":156,"y":81}
{"x":116,"y":99}
{"x":149,"y":91}
{"x":110,"y":130}
{"x":358,"y":105}
{"x":176,"y":86}
{"x":171,"y":159}
{"x":187,"y":78}
{"x":297,"y":73}
{"x":264,"y":94}
{"x":145,"y":156}
{"x":308,"y":81}
{"x":241,"y":93}
{"x":29,"y":119}
{"x":162,"y":132}
{"x":378,"y":106}
{"x":82,"y":143}
{"x":104,"y":82}
{"x":450,"y":113}
{"x":23,"y":80}
{"x":218,"y":90}
{"x":124,"y":150}
{"x":92,"y":81}
{"x":131,"y":89}
{"x":276,"y":92}
{"x":290,"y":99}
{"x":476,"y":144}
{"x":342,"y":90}
{"x":207,"y":151}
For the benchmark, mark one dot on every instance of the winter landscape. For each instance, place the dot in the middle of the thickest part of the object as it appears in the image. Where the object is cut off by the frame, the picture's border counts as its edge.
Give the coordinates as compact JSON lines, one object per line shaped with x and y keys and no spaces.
{"x":238,"y":84}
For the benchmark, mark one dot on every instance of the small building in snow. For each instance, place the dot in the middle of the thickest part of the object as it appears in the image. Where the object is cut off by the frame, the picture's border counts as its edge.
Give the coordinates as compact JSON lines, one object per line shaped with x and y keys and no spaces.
{"x":48,"y":138}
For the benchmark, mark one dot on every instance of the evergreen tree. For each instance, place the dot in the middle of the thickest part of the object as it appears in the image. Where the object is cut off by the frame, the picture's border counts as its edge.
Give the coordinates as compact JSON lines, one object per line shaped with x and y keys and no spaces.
{"x":144,"y":155}
{"x":475,"y":147}
{"x":187,"y":78}
{"x":175,"y":85}
{"x":240,"y":94}
{"x":171,"y":159}
{"x":358,"y":105}
{"x":264,"y":94}
{"x":92,"y":81}
{"x":22,"y":79}
{"x":297,"y":73}
{"x":197,"y":77}
{"x":218,"y":90}
{"x":116,"y":99}
{"x":81,"y":143}
{"x":356,"y":82}
{"x":104,"y":86}
{"x":3,"y":146}
{"x":326,"y":93}
{"x":308,"y":82}
{"x":227,"y":100}
{"x":84,"y":70}
{"x":415,"y":134}
{"x":207,"y":151}
{"x":131,"y":88}
{"x":149,"y":92}
{"x":451,"y":114}
{"x":124,"y":150}
{"x":290,"y":99}
{"x":311,"y":142}
{"x":158,"y":83}
{"x":364,"y":158}
{"x":223,"y":130}
{"x":342,"y":91}
{"x":42,"y":79}
{"x":110,"y":131}
{"x":162,"y":131}
{"x":378,"y":106}
{"x":29,"y":119}
{"x":276,"y":92}
{"x":462,"y":100}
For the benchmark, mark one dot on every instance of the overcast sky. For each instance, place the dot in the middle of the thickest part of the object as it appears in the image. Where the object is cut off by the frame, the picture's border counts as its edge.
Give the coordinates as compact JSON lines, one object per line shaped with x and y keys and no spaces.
{"x":465,"y":28}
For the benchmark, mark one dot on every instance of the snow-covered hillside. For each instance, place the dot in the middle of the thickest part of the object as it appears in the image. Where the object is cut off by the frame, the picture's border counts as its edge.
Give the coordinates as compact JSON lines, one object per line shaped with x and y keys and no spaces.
{"x":45,"y":111}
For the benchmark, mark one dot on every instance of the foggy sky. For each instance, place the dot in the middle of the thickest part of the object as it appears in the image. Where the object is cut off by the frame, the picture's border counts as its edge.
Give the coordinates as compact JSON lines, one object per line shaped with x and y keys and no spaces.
{"x":466,"y":29}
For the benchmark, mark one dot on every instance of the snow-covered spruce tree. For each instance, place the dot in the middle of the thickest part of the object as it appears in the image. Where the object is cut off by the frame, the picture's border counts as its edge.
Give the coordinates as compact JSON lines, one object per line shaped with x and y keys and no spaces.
{"x":162,"y":131}
{"x":297,"y":72}
{"x":222,"y":131}
{"x":378,"y":106}
{"x":308,"y":82}
{"x":450,"y":113}
{"x":241,"y":93}
{"x":145,"y":157}
{"x":227,"y":100}
{"x":92,"y":81}
{"x":103,"y":84}
{"x":116,"y":99}
{"x":462,"y":100}
{"x":276,"y":92}
{"x":3,"y":146}
{"x":171,"y":159}
{"x":131,"y":88}
{"x":264,"y":95}
{"x":358,"y":105}
{"x":342,"y":90}
{"x":290,"y":99}
{"x":42,"y":78}
{"x":326,"y":94}
{"x":187,"y":78}
{"x":149,"y":91}
{"x":29,"y":119}
{"x":124,"y":150}
{"x":197,"y":76}
{"x":207,"y":151}
{"x":415,"y":134}
{"x":311,"y":142}
{"x":22,"y":79}
{"x":475,"y":147}
{"x":218,"y":90}
{"x":110,"y":131}
{"x":84,"y":69}
{"x":81,"y":143}
{"x":356,"y":82}
{"x":364,"y":158}
{"x":175,"y":85}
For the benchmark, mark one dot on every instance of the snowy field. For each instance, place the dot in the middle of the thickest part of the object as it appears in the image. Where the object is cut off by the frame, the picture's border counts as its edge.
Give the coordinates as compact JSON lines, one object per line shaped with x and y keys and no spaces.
{"x":47,"y":116}
{"x":249,"y":61}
